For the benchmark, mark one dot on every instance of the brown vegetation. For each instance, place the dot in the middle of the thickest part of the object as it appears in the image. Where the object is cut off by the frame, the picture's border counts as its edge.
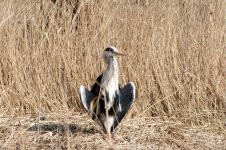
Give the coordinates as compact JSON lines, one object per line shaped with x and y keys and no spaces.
{"x":176,"y":56}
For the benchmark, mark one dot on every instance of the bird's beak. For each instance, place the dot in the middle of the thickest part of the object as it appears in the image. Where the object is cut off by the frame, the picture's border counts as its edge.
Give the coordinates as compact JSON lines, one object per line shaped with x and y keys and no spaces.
{"x":119,"y":54}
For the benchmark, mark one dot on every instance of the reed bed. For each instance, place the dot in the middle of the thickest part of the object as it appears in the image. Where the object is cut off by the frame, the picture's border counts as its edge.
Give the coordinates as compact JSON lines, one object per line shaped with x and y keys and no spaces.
{"x":175,"y":56}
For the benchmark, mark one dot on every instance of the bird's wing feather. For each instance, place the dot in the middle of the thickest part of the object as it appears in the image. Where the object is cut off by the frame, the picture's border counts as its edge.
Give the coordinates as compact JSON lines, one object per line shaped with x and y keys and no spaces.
{"x":86,"y":97}
{"x":127,"y":98}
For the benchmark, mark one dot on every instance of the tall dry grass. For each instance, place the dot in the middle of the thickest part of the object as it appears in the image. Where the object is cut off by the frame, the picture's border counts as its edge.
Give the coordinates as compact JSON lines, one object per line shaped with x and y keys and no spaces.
{"x":176,"y":55}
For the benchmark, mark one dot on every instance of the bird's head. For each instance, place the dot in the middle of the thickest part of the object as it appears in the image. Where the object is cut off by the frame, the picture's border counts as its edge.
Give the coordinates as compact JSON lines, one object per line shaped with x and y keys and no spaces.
{"x":111,"y":52}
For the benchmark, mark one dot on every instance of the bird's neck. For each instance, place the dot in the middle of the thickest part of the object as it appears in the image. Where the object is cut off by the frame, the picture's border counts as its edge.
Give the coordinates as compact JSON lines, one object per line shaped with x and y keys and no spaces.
{"x":112,"y":66}
{"x":111,"y":73}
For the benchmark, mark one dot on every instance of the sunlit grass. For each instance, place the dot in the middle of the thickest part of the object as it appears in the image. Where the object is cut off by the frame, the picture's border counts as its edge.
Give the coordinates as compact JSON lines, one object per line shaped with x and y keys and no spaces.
{"x":176,"y":55}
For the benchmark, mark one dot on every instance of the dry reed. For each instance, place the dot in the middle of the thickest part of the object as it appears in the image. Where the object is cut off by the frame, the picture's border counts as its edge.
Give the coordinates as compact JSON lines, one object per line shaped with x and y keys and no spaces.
{"x":176,"y":55}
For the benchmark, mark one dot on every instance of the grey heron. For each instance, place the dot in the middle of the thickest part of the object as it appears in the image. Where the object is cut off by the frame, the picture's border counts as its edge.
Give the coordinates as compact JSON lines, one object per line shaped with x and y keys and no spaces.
{"x":107,"y":103}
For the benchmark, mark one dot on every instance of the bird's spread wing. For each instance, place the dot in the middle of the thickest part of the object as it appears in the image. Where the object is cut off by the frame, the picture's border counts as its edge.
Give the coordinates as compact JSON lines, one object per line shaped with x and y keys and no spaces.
{"x":86,"y":97}
{"x":127,"y":99}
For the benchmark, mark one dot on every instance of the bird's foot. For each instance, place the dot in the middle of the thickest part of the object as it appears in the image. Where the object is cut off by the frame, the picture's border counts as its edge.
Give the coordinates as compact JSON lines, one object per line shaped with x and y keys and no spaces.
{"x":113,"y":136}
{"x":107,"y":137}
{"x":116,"y":138}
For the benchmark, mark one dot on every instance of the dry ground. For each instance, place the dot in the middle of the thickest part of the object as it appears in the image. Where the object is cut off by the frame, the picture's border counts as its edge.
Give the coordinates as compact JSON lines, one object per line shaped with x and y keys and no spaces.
{"x":76,"y":131}
{"x":176,"y":58}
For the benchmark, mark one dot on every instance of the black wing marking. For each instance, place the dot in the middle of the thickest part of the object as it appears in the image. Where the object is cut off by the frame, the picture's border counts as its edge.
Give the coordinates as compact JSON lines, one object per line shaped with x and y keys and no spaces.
{"x":127,"y":99}
{"x":96,"y":86}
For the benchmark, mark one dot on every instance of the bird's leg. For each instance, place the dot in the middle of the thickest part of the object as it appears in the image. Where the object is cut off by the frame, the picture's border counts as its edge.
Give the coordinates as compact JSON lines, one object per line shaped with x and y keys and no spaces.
{"x":106,"y":123}
{"x":107,"y":120}
{"x":108,"y":127}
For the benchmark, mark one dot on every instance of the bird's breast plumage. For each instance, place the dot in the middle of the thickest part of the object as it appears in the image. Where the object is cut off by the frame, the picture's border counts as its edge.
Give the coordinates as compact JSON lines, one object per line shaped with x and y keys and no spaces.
{"x":112,"y":87}
{"x":109,"y":84}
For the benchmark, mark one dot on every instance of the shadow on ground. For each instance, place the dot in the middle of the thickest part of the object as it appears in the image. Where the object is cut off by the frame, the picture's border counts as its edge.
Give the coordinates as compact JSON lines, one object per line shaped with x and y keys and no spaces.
{"x":61,"y":128}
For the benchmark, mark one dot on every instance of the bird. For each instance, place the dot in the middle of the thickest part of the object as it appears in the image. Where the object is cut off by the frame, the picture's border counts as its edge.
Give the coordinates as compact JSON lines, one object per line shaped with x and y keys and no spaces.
{"x":106,"y":102}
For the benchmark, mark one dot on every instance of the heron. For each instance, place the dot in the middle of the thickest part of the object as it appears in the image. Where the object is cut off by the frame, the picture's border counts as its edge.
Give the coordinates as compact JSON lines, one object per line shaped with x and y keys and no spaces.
{"x":107,"y":103}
